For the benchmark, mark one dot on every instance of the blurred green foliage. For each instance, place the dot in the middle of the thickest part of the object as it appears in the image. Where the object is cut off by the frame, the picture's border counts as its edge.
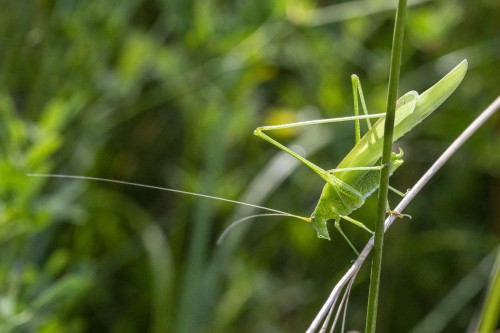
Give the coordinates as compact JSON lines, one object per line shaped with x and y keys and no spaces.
{"x":167,"y":93}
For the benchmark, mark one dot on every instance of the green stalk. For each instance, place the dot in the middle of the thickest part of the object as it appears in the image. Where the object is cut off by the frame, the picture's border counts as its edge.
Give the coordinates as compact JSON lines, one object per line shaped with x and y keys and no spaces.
{"x":397,"y":50}
{"x":491,"y":308}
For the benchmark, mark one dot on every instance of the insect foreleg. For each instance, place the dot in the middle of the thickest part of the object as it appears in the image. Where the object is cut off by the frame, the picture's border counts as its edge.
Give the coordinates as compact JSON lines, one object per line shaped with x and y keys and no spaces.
{"x":398,"y":192}
{"x":357,"y":223}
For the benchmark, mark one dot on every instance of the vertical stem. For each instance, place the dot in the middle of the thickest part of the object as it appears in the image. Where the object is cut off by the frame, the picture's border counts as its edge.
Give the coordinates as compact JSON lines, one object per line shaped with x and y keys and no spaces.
{"x":491,"y":307}
{"x":397,"y":50}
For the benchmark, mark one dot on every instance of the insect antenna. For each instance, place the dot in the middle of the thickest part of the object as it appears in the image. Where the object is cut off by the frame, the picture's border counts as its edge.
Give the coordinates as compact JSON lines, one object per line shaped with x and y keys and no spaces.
{"x":246,"y":218}
{"x":275,"y":212}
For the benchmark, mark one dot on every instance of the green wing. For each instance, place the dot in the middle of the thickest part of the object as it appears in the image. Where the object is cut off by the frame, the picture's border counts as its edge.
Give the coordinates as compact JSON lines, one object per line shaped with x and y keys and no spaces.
{"x":411,"y":109}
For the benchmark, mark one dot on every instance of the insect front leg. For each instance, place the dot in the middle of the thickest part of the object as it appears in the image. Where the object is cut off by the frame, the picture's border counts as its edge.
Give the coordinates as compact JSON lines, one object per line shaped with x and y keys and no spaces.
{"x":391,"y":212}
{"x":401,"y":194}
{"x":397,"y":214}
{"x":357,"y":223}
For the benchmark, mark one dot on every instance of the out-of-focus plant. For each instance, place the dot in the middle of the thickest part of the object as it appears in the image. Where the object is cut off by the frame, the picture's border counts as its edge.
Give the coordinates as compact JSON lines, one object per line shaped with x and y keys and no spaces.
{"x":168,"y":93}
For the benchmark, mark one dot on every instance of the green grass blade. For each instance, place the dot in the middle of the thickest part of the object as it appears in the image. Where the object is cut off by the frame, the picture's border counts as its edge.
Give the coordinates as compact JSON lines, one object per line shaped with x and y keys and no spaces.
{"x":491,"y":310}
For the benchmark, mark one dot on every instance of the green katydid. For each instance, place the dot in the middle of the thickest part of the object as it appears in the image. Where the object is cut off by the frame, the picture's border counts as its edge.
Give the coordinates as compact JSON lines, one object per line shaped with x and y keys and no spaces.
{"x":357,"y":175}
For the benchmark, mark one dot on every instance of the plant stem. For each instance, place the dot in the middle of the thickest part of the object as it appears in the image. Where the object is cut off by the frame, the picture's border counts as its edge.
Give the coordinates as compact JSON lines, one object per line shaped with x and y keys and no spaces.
{"x":397,"y":50}
{"x":491,"y":307}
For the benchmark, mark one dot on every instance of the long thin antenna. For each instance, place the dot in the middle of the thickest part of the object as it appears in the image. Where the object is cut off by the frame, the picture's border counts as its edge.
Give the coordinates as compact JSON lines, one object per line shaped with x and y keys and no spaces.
{"x":240,"y":221}
{"x":48,"y":175}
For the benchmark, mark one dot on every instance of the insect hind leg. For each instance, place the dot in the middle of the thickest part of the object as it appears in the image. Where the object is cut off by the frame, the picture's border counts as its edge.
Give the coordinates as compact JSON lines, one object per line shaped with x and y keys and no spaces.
{"x":357,"y":92}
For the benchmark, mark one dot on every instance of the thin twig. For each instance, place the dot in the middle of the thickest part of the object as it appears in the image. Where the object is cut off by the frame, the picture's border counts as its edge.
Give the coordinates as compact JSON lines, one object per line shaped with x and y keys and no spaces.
{"x":448,"y":153}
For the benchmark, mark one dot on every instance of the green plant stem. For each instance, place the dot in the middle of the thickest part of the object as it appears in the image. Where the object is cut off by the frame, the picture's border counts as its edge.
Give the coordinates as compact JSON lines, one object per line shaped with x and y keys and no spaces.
{"x":491,"y":307}
{"x":397,"y":50}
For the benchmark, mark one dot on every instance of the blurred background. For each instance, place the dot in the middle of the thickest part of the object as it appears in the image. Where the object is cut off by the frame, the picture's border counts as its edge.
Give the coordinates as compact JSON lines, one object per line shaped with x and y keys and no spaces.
{"x":168,"y":93}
